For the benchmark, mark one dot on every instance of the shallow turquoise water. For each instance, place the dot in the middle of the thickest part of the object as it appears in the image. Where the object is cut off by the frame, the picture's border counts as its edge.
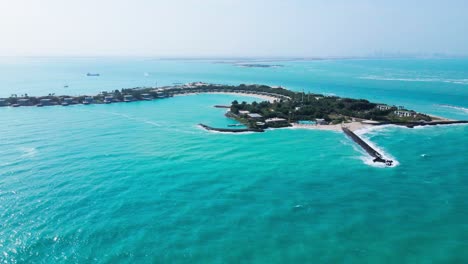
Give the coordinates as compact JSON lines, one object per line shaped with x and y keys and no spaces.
{"x":142,"y":183}
{"x":420,"y":84}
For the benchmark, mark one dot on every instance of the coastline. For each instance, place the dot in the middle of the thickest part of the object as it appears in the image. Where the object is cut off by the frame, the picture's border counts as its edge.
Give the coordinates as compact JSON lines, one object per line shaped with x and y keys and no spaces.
{"x":271,"y":99}
{"x":353,"y":126}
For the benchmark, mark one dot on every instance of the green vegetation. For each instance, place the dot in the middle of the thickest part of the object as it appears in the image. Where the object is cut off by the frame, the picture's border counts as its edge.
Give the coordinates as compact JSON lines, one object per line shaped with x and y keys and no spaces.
{"x":330,"y":108}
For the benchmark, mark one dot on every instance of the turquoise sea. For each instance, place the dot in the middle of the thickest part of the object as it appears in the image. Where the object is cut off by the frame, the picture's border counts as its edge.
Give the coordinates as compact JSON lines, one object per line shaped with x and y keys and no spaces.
{"x":142,"y":183}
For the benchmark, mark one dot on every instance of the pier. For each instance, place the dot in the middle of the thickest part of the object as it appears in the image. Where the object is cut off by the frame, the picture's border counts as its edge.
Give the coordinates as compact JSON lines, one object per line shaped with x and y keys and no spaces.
{"x":372,"y":152}
{"x":231,"y":130}
{"x":222,"y":106}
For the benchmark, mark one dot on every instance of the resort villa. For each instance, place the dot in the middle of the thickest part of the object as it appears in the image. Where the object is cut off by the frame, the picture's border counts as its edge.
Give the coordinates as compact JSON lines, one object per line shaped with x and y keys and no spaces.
{"x":254,"y":116}
{"x":23,"y":102}
{"x":67,"y":101}
{"x":404,"y":113}
{"x":146,"y":97}
{"x":161,"y":93}
{"x":108,"y":99}
{"x":128,"y":98}
{"x":45,"y":101}
{"x":321,"y":121}
{"x":88,"y":100}
{"x":383,"y":107}
{"x":260,"y":124}
{"x":276,"y":121}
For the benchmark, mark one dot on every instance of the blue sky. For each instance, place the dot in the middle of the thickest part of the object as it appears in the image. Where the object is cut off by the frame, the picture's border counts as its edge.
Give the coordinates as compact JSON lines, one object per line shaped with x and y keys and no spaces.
{"x":231,"y":28}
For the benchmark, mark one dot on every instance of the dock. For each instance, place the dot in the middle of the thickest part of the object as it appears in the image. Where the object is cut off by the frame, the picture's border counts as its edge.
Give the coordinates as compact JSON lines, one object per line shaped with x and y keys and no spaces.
{"x":372,"y":152}
{"x":231,"y":130}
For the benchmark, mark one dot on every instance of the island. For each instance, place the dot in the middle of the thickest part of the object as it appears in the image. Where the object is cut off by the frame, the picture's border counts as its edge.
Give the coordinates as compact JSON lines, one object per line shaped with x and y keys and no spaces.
{"x":258,"y":65}
{"x":278,"y":108}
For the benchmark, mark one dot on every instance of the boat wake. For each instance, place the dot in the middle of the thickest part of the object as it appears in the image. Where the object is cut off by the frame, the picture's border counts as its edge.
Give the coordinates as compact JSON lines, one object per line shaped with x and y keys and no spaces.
{"x":459,"y":108}
{"x":28,"y":152}
{"x":423,"y":79}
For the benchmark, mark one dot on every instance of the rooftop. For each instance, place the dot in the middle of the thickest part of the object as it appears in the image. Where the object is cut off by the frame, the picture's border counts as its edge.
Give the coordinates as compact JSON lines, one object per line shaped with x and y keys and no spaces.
{"x":275,"y":119}
{"x":254,"y":115}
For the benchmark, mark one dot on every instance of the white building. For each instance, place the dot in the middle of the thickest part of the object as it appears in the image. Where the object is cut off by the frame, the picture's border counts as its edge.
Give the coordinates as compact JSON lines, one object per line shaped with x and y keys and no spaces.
{"x":383,"y":107}
{"x":108,"y":99}
{"x":321,"y":121}
{"x":45,"y":101}
{"x":275,"y":120}
{"x":23,"y":101}
{"x":254,"y":116}
{"x":88,"y":100}
{"x":403,"y":113}
{"x":146,"y":97}
{"x":128,"y":98}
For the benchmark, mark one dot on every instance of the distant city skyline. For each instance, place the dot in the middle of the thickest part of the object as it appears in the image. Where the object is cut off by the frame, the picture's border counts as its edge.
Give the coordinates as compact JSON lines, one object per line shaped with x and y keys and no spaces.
{"x":228,"y":28}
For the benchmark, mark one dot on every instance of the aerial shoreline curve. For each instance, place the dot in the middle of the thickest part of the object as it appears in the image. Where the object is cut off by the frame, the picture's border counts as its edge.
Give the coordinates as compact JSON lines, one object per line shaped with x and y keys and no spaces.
{"x":279,"y":108}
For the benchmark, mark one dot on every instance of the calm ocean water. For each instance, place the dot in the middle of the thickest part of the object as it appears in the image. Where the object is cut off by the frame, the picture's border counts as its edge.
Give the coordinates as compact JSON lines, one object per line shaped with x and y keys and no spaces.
{"x":141,"y":183}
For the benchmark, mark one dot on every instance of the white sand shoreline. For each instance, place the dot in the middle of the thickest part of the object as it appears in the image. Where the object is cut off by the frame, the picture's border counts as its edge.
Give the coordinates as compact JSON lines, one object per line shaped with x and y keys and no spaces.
{"x":271,"y":99}
{"x":353,"y":126}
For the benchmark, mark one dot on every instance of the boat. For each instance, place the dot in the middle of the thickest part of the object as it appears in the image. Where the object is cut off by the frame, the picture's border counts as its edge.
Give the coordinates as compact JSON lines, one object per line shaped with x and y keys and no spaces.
{"x":15,"y":105}
{"x":39,"y":105}
{"x":85,"y":103}
{"x":65,"y":86}
{"x":65,"y":104}
{"x":93,"y":74}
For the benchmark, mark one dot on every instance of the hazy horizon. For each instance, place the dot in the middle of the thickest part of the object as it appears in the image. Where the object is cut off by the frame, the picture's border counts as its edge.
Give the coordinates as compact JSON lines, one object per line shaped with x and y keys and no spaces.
{"x":233,"y":29}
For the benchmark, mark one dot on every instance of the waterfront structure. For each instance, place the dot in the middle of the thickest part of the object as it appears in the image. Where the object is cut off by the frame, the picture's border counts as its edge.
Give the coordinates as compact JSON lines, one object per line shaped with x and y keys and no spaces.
{"x":161,"y":93}
{"x":383,"y":107}
{"x":68,"y":100}
{"x":128,"y":98}
{"x":275,"y":120}
{"x":88,"y":100}
{"x":3,"y":102}
{"x":404,"y":113}
{"x":244,"y":112}
{"x":254,"y":116}
{"x":321,"y":121}
{"x":23,"y":102}
{"x":146,"y":97}
{"x":260,"y":124}
{"x":372,"y":152}
{"x":108,"y":99}
{"x":45,"y":101}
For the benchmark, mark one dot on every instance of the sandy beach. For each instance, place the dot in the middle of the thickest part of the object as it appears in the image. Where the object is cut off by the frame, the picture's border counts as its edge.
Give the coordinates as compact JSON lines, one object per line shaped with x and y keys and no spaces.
{"x":271,"y":99}
{"x":440,"y":118}
{"x":353,"y":126}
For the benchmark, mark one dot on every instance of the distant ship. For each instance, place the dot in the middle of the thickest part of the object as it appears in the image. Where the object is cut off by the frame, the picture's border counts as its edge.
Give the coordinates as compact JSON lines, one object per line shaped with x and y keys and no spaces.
{"x":92,"y":74}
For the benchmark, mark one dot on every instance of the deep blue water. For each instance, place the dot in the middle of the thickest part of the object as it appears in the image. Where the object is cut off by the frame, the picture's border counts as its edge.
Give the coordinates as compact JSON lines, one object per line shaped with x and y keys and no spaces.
{"x":142,"y":183}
